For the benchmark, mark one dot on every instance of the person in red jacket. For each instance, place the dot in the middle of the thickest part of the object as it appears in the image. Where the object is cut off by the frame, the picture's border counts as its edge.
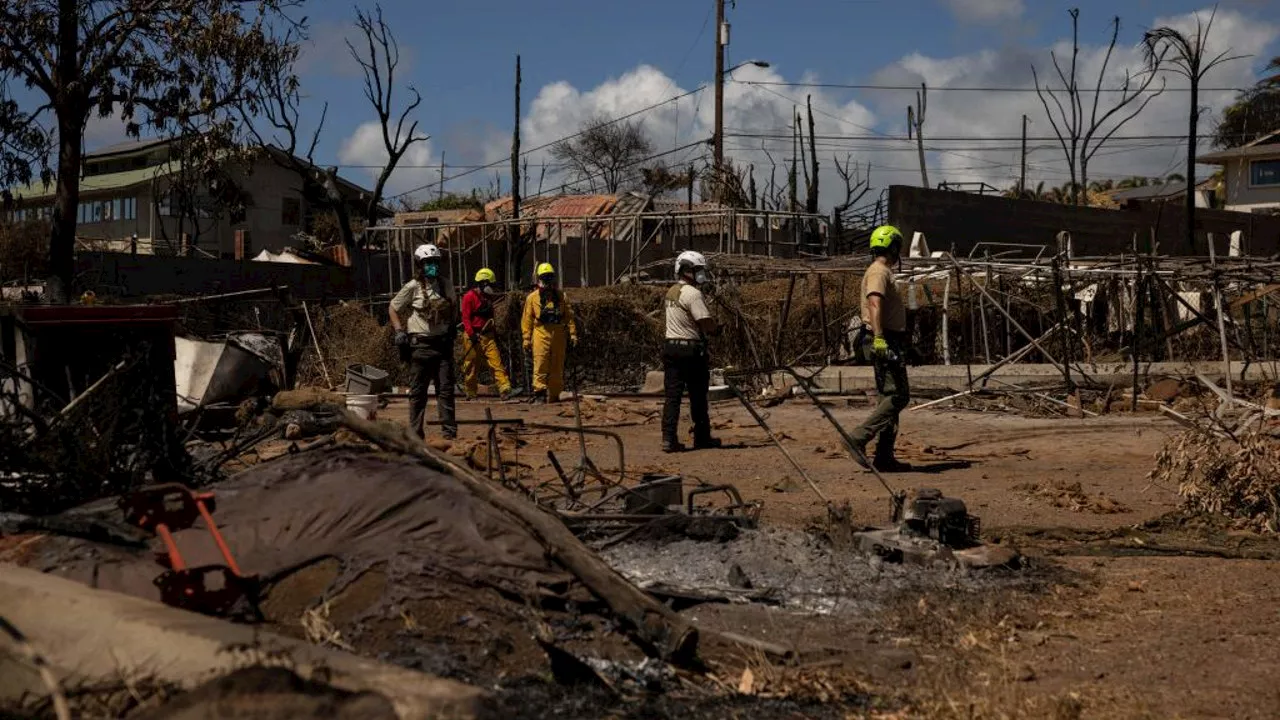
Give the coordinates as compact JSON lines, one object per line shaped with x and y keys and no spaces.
{"x":480,"y":342}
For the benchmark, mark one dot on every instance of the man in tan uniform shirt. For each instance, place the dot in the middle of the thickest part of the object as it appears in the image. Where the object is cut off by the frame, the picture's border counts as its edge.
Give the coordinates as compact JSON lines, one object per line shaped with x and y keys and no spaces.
{"x":886,"y":317}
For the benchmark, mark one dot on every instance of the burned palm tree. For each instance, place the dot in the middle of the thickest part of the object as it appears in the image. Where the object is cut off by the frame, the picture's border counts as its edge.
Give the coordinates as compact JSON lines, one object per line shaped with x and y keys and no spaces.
{"x":1187,"y":56}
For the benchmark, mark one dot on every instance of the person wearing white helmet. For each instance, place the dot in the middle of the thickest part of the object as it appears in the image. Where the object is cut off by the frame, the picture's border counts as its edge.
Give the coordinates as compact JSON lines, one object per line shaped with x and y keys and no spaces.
{"x":424,"y":315}
{"x":686,"y":365}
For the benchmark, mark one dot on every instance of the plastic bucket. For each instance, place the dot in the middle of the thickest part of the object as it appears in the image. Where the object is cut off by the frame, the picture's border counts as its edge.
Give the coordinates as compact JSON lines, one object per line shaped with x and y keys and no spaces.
{"x":366,"y":406}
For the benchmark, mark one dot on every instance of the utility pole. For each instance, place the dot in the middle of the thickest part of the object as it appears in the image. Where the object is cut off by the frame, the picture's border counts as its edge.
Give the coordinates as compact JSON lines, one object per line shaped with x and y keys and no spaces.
{"x":441,"y":175}
{"x":1022,"y":175}
{"x":513,"y":230}
{"x":915,"y":122}
{"x":722,"y":39}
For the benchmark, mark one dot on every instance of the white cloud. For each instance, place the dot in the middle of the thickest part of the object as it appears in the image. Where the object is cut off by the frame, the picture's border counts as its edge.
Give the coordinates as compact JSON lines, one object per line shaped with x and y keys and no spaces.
{"x":872,"y":127}
{"x":364,"y":147}
{"x":755,"y":115}
{"x":999,"y":114}
{"x":986,"y":12}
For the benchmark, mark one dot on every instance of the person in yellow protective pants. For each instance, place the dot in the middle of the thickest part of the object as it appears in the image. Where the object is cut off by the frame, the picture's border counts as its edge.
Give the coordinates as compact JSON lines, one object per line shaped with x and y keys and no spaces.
{"x":479,"y":344}
{"x":548,"y":327}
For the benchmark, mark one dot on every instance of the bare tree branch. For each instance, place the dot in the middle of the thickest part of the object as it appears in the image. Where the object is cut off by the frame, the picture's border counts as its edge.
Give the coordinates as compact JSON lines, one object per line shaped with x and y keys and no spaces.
{"x":379,"y":68}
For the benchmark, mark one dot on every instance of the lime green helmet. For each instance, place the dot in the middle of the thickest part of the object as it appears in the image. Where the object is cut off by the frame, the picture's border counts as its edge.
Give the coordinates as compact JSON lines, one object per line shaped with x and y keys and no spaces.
{"x":885,"y":236}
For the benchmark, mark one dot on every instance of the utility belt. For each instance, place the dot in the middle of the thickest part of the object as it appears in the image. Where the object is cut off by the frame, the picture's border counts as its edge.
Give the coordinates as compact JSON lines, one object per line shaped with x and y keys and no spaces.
{"x":551,"y":317}
{"x":681,"y":348}
{"x":425,"y":339}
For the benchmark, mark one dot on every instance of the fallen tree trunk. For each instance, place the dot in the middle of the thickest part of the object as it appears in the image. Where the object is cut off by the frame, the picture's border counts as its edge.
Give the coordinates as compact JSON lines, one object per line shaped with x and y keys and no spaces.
{"x":658,"y":631}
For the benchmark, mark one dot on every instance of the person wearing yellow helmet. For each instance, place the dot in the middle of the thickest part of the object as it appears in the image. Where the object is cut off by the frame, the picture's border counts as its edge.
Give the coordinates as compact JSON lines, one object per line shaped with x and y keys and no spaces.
{"x":884,"y":319}
{"x":479,"y":342}
{"x":549,"y":329}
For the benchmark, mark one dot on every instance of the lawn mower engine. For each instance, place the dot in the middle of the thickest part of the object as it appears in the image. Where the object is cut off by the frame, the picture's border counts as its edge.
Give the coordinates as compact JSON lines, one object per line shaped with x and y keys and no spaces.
{"x":944,"y":519}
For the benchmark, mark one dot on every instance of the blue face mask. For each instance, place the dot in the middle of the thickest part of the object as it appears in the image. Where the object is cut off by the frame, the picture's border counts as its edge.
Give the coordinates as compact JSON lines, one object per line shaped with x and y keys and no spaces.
{"x":431,"y":270}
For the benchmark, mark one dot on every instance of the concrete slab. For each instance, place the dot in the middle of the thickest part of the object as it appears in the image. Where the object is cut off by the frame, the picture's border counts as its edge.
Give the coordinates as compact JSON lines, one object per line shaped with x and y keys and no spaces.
{"x":94,"y":636}
{"x":860,"y":378}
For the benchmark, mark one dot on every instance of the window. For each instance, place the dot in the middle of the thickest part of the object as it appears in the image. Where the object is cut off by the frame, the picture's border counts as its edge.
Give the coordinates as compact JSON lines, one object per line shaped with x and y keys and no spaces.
{"x":290,"y":211}
{"x":1264,"y":172}
{"x":130,"y":209}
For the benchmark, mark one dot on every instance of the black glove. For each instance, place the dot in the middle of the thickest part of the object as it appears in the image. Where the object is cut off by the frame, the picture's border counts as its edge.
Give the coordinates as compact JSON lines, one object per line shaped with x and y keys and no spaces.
{"x":401,"y":339}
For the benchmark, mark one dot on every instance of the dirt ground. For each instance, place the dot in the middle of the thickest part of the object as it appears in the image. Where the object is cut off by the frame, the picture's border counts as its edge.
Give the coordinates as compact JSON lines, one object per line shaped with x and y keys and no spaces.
{"x":1126,"y":610}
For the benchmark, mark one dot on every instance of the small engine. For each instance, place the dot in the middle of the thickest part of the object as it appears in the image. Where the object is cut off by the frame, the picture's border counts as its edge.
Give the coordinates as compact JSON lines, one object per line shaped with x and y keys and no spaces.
{"x":944,"y":519}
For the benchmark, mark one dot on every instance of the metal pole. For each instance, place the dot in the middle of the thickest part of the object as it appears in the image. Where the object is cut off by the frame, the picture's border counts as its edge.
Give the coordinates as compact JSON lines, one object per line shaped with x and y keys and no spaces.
{"x":1222,"y":326}
{"x":1022,"y":176}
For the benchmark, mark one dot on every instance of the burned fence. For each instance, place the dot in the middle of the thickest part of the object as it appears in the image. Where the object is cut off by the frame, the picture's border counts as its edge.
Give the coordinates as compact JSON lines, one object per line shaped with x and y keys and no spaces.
{"x":603,"y":249}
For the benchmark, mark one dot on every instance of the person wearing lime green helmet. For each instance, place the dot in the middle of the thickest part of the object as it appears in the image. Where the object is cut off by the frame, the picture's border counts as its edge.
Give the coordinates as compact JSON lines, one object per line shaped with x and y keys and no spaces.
{"x":479,"y":340}
{"x":884,"y":319}
{"x":549,"y":329}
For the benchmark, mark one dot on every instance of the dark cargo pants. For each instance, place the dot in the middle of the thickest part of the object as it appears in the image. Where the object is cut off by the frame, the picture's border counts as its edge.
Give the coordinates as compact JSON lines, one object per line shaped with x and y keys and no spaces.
{"x":432,"y":362}
{"x":895,"y":395}
{"x":685,"y":367}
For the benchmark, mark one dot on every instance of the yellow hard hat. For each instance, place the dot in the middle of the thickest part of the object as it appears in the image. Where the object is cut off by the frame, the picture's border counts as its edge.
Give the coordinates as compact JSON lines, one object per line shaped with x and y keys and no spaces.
{"x":485,"y":275}
{"x":545,"y":269}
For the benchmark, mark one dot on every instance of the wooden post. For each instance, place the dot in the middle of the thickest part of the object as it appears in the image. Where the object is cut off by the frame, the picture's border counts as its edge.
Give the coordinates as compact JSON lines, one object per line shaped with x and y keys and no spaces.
{"x":782,"y":321}
{"x":586,"y":256}
{"x":1066,"y":324}
{"x":768,"y":232}
{"x":1138,"y":292}
{"x":822,"y":318}
{"x":513,"y":230}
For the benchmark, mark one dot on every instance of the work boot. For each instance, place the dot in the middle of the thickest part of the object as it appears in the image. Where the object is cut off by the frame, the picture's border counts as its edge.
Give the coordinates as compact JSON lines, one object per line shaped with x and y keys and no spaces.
{"x":506,"y":394}
{"x":672,"y":446}
{"x":707,"y":443}
{"x":469,"y":397}
{"x":890,"y":464}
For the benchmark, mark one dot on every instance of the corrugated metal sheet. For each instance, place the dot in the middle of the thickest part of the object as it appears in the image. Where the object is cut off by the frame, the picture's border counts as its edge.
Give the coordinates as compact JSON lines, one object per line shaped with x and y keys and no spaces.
{"x":578,"y":206}
{"x":438,"y":216}
{"x":500,"y":209}
{"x":705,"y":225}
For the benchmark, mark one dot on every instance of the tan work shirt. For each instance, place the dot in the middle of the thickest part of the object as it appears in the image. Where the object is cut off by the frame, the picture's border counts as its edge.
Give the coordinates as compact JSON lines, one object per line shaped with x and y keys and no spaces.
{"x":685,"y":307}
{"x":432,"y":309}
{"x":878,"y":280}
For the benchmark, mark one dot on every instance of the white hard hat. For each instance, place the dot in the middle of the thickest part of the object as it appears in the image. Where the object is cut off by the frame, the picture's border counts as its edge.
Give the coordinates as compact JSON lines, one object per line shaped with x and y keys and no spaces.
{"x":689,"y":258}
{"x":426,"y":252}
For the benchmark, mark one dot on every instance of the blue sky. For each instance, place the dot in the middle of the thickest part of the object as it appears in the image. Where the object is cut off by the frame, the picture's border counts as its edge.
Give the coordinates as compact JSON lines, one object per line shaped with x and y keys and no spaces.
{"x":586,"y":57}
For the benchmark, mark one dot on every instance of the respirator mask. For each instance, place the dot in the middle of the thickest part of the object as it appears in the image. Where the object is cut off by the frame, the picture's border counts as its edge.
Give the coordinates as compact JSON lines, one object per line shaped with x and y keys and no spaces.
{"x":431,"y":270}
{"x":701,"y":277}
{"x":487,"y":289}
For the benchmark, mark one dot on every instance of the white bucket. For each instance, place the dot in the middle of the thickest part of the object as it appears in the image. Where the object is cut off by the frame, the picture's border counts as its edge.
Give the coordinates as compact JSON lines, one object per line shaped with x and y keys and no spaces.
{"x":366,"y":406}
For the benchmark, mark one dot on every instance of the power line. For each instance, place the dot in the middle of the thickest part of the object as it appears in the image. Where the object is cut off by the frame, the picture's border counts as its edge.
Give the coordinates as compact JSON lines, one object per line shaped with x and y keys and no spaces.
{"x":544,"y":146}
{"x":634,"y":163}
{"x":942,"y":88}
{"x":970,"y":138}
